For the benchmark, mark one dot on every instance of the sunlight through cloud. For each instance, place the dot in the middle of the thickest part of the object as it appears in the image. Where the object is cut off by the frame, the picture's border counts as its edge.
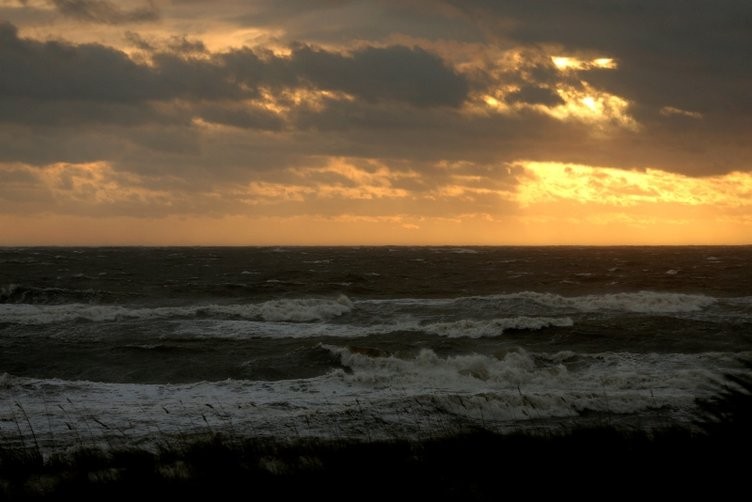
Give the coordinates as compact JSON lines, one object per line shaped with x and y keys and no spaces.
{"x":541,"y":182}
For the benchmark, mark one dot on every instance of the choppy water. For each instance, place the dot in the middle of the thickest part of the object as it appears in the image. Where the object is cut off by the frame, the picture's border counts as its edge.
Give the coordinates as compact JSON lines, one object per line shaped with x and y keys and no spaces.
{"x":106,"y":345}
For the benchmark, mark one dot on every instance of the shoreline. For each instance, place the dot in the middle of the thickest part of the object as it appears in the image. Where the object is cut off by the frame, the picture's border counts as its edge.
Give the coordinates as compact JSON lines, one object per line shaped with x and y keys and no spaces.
{"x":602,"y":458}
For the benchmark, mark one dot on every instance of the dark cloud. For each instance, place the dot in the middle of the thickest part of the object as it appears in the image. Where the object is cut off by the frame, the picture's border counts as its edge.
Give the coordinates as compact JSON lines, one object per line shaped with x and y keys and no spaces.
{"x":242,"y":116}
{"x":192,"y":78}
{"x":393,"y":131}
{"x":184,"y":46}
{"x":395,"y":73}
{"x":55,"y":70}
{"x":102,"y":11}
{"x":254,"y":68}
{"x":92,"y":72}
{"x":375,"y":74}
{"x":42,"y":146}
{"x":77,"y":113}
{"x":138,"y":41}
{"x":683,"y":53}
{"x":176,"y":44}
{"x":85,"y":103}
{"x":686,"y":54}
{"x":191,"y":120}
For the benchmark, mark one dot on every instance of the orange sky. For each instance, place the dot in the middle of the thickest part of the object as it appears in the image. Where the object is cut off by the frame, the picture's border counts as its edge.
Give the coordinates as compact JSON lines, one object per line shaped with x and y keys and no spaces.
{"x":425,"y":122}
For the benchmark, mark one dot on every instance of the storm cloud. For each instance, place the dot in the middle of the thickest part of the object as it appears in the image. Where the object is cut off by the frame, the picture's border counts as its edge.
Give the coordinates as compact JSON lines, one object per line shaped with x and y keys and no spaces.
{"x":94,"y":72}
{"x":420,"y":107}
{"x":103,"y":11}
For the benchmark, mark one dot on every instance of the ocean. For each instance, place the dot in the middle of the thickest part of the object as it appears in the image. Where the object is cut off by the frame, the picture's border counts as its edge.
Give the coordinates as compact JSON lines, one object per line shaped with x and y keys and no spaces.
{"x":107,"y":347}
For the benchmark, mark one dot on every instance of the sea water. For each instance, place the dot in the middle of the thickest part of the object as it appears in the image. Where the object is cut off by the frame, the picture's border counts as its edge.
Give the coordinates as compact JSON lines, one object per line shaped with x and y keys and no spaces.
{"x":109,"y":347}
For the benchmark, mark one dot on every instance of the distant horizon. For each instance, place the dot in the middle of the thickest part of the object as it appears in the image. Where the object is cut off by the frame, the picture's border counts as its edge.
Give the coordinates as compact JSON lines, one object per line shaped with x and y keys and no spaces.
{"x":209,"y":245}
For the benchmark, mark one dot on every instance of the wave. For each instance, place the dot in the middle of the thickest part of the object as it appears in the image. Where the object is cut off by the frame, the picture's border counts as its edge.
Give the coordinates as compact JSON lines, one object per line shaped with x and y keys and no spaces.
{"x":638,"y":302}
{"x":546,"y":372}
{"x":641,"y":302}
{"x":20,"y":294}
{"x":290,"y":310}
{"x":523,"y":310}
{"x":389,"y":396}
{"x":488,"y":328}
{"x":242,"y":329}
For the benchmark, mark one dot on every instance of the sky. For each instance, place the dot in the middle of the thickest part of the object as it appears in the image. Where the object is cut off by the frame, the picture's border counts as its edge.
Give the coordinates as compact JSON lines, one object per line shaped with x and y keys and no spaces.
{"x":353,"y":122}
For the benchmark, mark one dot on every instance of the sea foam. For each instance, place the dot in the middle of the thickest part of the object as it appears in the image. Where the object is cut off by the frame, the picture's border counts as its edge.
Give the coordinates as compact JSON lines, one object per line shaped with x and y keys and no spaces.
{"x":294,"y":310}
{"x":638,"y":302}
{"x":488,"y":328}
{"x":466,"y":328}
{"x":387,"y":396}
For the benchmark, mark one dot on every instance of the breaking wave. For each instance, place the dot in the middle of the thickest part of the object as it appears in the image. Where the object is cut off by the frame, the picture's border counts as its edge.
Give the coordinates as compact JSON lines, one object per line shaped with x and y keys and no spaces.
{"x":291,"y":310}
{"x":241,"y":329}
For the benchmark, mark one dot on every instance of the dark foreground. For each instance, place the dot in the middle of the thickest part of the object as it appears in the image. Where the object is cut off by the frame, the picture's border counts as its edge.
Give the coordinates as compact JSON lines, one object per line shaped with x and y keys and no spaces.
{"x":588,"y":463}
{"x":477,"y":466}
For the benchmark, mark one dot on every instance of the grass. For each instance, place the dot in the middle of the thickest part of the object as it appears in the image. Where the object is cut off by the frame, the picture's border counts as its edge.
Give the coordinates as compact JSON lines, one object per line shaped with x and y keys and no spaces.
{"x":595,"y":461}
{"x":471,"y":466}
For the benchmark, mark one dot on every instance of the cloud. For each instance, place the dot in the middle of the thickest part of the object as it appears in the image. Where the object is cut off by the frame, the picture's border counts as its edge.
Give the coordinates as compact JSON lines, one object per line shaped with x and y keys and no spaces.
{"x":94,"y":72}
{"x":384,"y":115}
{"x":250,"y":112}
{"x":56,"y":70}
{"x":534,"y":95}
{"x":102,"y":11}
{"x":84,"y":103}
{"x":396,"y":73}
{"x":549,"y":182}
{"x":345,"y":20}
{"x":681,"y":53}
{"x":242,"y":116}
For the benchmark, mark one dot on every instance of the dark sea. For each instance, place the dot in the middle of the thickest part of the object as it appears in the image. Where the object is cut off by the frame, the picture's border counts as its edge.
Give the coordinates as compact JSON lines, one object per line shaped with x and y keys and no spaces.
{"x":124,"y":346}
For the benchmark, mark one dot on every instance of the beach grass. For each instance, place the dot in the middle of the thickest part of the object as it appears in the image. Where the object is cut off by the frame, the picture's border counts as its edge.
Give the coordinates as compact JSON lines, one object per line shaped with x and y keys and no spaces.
{"x":469,"y":466}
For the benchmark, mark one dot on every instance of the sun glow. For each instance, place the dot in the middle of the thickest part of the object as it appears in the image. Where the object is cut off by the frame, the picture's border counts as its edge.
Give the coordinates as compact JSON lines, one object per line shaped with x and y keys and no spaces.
{"x":551,"y":181}
{"x":491,"y":101}
{"x":588,"y":104}
{"x":566,"y":63}
{"x":602,"y":205}
{"x":579,"y":100}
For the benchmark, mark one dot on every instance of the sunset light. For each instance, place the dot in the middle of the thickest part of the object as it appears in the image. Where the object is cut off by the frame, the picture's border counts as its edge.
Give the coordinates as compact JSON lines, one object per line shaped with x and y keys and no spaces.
{"x":550,"y":181}
{"x":172,"y":114}
{"x":572,"y":63}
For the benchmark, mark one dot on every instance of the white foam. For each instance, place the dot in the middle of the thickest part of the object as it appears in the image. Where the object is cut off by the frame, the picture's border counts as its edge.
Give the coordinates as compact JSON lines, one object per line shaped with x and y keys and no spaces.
{"x":643,"y":302}
{"x":302,"y":310}
{"x":527,"y":310}
{"x":241,"y":329}
{"x":487,"y":328}
{"x":640,"y":302}
{"x":512,"y":368}
{"x":294,"y":310}
{"x":377,"y":397}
